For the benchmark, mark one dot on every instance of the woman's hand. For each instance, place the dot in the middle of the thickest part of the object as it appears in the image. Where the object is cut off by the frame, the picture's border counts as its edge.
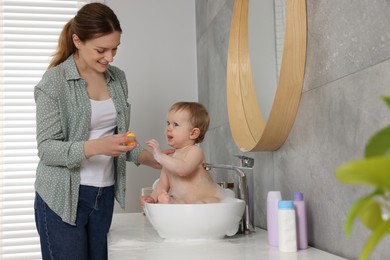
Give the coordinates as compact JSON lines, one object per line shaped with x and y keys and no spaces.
{"x":168,"y":151}
{"x":112,"y":145}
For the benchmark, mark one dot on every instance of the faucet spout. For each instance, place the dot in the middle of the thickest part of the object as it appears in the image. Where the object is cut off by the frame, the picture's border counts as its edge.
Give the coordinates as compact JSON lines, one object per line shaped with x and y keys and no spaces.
{"x":245,"y":193}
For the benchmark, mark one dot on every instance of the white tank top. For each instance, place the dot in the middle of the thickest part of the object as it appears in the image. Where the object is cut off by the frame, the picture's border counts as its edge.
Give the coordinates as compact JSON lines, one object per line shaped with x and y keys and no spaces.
{"x":98,"y":170}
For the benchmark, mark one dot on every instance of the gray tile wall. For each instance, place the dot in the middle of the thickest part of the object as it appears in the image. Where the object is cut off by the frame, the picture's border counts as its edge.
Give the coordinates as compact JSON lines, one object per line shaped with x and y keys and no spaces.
{"x":347,"y":70}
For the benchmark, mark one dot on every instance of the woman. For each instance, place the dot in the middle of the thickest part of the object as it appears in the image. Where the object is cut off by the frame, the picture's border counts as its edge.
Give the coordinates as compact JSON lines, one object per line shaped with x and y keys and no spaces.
{"x":82,"y":124}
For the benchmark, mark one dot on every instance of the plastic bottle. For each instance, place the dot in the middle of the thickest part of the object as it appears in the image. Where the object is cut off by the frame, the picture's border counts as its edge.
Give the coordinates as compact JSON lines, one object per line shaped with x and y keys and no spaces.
{"x":272,"y":217}
{"x":300,"y":211}
{"x":287,"y":226}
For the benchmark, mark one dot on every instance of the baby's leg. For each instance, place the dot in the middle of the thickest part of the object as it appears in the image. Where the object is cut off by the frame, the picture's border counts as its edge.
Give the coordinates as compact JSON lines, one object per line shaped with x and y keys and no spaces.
{"x":164,"y":198}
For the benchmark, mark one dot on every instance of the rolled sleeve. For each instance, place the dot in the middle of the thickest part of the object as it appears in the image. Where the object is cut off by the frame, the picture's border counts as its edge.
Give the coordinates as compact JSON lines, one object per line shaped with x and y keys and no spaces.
{"x":133,"y":155}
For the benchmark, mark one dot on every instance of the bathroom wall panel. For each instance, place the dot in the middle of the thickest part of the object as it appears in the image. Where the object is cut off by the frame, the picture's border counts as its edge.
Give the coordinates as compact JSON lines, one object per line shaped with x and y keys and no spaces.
{"x":212,"y":63}
{"x":208,"y":9}
{"x":345,"y":36}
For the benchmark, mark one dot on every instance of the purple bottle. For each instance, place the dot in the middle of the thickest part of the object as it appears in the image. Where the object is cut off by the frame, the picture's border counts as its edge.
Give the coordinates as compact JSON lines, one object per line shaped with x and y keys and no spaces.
{"x":300,"y":211}
{"x":272,"y":217}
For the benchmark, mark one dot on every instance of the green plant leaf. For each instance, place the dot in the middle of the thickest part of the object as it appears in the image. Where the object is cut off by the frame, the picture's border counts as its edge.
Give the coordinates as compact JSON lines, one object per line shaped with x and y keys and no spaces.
{"x":371,"y":214}
{"x":356,"y":209}
{"x":379,"y":144}
{"x":387,"y":100}
{"x":373,"y":171}
{"x":374,"y":239}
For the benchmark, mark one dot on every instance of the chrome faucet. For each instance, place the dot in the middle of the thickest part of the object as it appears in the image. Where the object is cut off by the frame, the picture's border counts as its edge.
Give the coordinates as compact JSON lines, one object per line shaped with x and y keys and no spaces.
{"x":245,"y":188}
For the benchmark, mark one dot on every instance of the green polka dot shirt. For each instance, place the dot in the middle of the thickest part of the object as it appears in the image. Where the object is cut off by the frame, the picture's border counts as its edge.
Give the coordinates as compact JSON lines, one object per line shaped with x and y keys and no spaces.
{"x":63,"y":115}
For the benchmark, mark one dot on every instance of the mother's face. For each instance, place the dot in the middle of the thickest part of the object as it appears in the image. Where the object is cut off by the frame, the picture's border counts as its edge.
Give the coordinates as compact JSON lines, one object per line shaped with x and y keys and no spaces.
{"x":97,"y":53}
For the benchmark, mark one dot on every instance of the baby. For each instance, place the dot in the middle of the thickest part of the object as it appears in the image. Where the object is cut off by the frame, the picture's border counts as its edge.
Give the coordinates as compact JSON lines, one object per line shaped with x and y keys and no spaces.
{"x":183,"y":178}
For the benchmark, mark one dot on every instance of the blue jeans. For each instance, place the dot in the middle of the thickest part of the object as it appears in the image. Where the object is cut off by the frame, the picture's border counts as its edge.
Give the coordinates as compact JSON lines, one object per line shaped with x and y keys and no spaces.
{"x":88,"y":238}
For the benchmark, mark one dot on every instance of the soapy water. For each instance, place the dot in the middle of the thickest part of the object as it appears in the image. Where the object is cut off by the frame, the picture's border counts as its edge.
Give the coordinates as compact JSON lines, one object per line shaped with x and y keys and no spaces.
{"x":227,"y":195}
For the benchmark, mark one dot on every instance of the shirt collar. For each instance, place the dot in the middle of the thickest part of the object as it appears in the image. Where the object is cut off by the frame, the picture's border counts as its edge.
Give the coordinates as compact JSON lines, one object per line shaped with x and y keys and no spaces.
{"x":71,"y":72}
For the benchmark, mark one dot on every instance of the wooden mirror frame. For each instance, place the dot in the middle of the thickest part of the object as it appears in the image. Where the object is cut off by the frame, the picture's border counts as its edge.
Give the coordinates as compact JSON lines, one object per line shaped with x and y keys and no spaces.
{"x":249,"y":129}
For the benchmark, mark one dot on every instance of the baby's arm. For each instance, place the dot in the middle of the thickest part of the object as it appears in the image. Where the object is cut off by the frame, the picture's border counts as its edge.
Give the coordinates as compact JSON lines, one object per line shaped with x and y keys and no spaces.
{"x":178,"y":166}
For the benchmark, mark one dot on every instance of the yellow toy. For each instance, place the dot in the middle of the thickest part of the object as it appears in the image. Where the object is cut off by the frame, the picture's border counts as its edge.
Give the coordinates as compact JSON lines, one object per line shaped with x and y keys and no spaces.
{"x":130,"y":143}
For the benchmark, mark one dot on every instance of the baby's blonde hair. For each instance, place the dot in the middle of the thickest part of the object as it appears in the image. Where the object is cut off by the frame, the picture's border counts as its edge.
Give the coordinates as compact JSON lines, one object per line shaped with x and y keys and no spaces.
{"x":199,"y":117}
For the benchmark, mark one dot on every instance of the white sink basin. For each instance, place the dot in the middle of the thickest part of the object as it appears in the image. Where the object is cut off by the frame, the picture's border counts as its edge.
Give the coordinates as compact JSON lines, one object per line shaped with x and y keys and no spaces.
{"x":196,"y":221}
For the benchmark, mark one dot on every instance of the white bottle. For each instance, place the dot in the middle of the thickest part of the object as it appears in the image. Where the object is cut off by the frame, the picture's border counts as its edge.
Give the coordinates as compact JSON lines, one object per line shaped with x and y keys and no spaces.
{"x":287,"y":226}
{"x":272,"y":217}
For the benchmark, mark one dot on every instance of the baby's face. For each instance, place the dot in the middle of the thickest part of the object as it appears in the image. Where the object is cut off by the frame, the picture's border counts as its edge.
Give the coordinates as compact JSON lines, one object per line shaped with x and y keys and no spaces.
{"x":179,"y":129}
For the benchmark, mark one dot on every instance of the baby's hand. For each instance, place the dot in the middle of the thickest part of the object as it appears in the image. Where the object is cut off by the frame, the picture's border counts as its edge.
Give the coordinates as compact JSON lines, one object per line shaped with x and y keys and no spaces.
{"x":146,"y":199}
{"x":154,"y":147}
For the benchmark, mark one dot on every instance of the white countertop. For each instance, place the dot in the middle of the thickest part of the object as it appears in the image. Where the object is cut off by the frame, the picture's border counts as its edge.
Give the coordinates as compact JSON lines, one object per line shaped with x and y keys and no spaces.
{"x":132,"y":237}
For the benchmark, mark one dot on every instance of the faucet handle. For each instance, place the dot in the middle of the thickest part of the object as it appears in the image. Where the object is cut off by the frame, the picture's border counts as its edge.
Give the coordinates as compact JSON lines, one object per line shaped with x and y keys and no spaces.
{"x":246,"y":161}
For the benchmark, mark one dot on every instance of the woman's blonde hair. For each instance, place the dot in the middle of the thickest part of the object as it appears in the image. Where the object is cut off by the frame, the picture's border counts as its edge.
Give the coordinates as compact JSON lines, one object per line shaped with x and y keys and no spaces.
{"x":91,"y":21}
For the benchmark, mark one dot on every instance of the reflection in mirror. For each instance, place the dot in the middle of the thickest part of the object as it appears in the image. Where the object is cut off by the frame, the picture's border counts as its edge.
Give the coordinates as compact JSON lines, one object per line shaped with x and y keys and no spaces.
{"x":280,"y":28}
{"x":263,"y":123}
{"x":262,"y":52}
{"x":266,"y":26}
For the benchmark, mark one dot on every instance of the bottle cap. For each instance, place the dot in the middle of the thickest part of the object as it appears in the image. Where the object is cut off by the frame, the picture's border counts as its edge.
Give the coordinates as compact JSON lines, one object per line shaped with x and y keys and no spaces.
{"x":298,"y":196}
{"x":286,"y":204}
{"x":274,"y":195}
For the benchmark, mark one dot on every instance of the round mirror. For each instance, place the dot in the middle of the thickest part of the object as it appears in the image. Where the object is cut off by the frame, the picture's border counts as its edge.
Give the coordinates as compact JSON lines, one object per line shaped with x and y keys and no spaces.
{"x":260,"y":114}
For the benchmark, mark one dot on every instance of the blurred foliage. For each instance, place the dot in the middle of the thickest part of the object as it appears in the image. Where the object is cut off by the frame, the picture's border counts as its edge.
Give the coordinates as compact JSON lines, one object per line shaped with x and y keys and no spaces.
{"x":373,"y":210}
